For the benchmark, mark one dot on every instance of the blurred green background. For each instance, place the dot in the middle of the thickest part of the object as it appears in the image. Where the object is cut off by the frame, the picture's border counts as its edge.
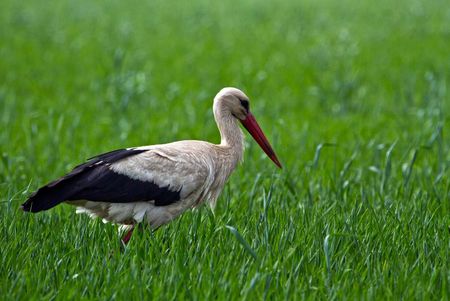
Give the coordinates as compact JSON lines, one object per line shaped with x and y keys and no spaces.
{"x":352,"y":94}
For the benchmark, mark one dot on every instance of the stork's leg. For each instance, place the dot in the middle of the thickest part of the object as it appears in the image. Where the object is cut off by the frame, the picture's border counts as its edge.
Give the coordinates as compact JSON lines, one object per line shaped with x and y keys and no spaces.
{"x":126,"y":238}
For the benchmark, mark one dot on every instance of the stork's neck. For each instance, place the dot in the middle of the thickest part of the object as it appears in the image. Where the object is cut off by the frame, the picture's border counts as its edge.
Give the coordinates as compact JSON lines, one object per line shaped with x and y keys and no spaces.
{"x":231,"y":136}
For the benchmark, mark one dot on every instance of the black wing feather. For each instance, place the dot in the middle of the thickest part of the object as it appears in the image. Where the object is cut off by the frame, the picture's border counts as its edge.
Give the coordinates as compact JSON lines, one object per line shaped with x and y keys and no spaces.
{"x":95,"y":181}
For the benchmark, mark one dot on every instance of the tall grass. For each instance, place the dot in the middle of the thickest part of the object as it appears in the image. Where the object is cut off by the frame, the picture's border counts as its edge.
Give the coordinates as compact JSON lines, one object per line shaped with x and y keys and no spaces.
{"x":353,"y":95}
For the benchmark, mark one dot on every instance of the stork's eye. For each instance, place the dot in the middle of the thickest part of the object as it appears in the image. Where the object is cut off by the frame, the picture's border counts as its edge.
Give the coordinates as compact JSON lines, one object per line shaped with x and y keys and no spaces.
{"x":245,"y":104}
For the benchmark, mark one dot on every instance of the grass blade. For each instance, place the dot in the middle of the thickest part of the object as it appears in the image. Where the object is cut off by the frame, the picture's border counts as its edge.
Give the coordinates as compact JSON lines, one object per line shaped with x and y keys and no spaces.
{"x":242,"y":241}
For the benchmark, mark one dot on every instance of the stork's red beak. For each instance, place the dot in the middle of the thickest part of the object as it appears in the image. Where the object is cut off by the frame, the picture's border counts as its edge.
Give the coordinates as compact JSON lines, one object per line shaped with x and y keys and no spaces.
{"x":253,"y":128}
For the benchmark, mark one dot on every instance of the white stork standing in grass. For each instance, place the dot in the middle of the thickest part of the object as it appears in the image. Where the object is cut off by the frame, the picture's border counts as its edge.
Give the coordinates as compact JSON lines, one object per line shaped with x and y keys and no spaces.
{"x":155,"y":184}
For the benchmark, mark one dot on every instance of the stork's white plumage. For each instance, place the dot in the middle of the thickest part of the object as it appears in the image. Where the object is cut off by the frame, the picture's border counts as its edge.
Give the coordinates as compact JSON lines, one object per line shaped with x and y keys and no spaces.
{"x":155,"y":184}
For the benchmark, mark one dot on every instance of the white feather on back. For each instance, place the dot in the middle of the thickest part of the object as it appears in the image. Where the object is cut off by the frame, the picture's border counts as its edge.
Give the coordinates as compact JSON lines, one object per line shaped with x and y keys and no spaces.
{"x":178,"y":166}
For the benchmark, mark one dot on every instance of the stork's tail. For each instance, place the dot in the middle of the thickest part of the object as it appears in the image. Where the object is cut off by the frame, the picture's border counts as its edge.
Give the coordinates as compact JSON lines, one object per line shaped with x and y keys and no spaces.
{"x":54,"y":193}
{"x":48,"y":197}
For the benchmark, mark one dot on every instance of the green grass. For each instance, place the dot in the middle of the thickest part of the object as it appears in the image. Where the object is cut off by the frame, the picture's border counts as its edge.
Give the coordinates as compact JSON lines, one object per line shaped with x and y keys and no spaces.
{"x":354,"y":96}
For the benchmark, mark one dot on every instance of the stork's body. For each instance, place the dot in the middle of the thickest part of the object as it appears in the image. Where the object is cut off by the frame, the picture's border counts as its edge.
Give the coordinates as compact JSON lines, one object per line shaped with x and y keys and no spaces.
{"x":155,"y":184}
{"x":182,"y":180}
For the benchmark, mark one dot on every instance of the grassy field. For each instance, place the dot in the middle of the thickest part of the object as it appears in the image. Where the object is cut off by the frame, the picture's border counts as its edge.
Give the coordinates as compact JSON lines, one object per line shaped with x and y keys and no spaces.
{"x":354,"y":96}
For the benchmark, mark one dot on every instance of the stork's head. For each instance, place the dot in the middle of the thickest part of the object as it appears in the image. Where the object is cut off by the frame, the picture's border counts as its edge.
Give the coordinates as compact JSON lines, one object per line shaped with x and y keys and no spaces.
{"x":233,"y":101}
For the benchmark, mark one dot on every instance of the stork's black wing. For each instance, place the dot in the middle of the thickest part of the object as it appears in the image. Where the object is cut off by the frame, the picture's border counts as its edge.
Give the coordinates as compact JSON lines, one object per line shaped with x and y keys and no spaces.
{"x":96,"y":181}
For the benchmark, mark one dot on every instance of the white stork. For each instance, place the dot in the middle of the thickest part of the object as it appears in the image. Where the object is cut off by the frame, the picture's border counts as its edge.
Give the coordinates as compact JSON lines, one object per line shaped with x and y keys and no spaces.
{"x":155,"y":184}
